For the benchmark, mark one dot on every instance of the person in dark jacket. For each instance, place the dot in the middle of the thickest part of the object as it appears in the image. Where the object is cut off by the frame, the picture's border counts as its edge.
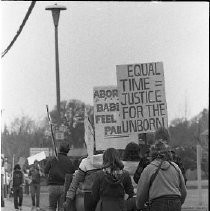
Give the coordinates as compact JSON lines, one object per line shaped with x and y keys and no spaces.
{"x":111,"y":184}
{"x":57,"y":168}
{"x":144,"y":160}
{"x":18,"y":180}
{"x":34,"y":175}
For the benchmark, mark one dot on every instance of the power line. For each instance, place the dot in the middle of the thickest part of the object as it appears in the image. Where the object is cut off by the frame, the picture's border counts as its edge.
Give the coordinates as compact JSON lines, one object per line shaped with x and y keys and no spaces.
{"x":20,"y":28}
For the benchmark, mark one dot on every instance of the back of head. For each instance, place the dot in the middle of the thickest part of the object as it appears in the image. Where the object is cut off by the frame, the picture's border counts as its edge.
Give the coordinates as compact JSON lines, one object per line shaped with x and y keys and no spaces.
{"x":160,"y":150}
{"x":111,"y":159}
{"x":36,"y":162}
{"x":162,"y":134}
{"x":64,"y":148}
{"x":17,"y":167}
{"x":131,"y":152}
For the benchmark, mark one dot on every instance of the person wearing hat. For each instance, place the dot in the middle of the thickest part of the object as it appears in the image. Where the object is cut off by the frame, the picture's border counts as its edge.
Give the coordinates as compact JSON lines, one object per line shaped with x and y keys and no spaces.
{"x":161,"y":182}
{"x":56,"y":169}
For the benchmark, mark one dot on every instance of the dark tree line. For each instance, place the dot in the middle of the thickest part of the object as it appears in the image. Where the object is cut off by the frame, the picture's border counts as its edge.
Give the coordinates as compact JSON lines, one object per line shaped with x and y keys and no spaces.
{"x":24,"y":133}
{"x":186,"y":134}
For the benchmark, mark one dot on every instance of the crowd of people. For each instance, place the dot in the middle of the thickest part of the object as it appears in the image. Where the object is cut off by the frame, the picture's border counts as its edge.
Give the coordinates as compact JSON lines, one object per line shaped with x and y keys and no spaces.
{"x":106,"y":185}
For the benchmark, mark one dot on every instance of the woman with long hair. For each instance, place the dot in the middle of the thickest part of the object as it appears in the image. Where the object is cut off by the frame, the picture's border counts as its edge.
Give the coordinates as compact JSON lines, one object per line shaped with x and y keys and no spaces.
{"x":112,"y":183}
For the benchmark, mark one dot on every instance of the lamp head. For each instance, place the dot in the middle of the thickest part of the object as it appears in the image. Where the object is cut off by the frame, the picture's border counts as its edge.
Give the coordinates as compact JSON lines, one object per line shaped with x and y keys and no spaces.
{"x":55,"y":12}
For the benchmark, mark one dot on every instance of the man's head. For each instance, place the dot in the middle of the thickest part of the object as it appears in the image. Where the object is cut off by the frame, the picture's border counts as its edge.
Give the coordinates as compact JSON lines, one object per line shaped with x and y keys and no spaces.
{"x":160,"y":150}
{"x":36,"y":162}
{"x":17,"y":167}
{"x":162,"y":134}
{"x":131,"y":152}
{"x":64,"y":148}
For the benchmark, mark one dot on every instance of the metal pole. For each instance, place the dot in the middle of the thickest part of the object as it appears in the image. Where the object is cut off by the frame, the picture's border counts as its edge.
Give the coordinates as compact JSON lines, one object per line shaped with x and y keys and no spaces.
{"x":57,"y":72}
{"x":55,"y":9}
{"x":199,"y":174}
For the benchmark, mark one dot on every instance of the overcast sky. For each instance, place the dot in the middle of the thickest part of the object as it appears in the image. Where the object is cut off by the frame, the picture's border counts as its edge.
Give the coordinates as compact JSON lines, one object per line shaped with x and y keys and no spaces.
{"x":94,"y":37}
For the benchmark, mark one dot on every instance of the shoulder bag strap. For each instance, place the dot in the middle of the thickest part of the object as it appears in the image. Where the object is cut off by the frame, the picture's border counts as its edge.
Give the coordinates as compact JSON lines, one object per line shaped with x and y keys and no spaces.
{"x":151,"y":181}
{"x":173,"y":166}
{"x":155,"y":174}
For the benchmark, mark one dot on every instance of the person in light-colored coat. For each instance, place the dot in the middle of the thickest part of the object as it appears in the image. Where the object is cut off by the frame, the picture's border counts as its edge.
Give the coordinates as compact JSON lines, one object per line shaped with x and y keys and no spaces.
{"x":168,"y":190}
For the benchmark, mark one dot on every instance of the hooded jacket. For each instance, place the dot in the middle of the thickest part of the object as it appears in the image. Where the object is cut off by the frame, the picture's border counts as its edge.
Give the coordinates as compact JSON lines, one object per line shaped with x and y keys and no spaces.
{"x":109,"y":189}
{"x":169,"y":181}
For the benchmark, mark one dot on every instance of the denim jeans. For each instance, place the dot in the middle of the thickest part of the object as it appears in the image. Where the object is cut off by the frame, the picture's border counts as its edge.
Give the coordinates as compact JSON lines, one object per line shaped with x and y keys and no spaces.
{"x":18,"y":196}
{"x":56,"y":197}
{"x":35,"y":194}
{"x":164,"y":204}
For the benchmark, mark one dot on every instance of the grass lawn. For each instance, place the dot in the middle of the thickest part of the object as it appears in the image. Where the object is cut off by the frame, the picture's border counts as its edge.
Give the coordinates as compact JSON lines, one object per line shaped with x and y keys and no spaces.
{"x":193,"y":184}
{"x":193,"y":197}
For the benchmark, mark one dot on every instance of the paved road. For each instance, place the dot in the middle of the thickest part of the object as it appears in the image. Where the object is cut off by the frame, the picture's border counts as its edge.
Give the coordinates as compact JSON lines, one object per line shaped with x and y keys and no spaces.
{"x":191,"y":202}
{"x":9,"y":207}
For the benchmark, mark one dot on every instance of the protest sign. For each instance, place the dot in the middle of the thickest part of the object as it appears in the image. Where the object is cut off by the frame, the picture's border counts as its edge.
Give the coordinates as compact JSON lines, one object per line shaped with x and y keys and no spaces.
{"x":108,"y":132}
{"x":35,"y":150}
{"x":142,"y":97}
{"x":39,"y":156}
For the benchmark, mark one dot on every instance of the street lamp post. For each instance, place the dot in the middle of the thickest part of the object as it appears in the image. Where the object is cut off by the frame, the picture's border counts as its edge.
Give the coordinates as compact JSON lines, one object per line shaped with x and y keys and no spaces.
{"x":56,"y":14}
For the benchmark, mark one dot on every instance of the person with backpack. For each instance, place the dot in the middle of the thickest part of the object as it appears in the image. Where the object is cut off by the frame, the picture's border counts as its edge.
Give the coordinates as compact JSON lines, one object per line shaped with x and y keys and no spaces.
{"x":34,"y":175}
{"x":85,"y":175}
{"x":17,"y":185}
{"x":111,"y":184}
{"x":161,"y":184}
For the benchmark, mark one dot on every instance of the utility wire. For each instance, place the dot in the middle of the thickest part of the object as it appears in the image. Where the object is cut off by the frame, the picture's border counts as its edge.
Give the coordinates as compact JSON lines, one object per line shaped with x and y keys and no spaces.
{"x":20,"y":28}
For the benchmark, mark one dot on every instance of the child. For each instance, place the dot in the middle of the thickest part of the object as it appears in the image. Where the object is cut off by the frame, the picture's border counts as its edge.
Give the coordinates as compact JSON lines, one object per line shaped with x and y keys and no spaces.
{"x":18,"y":180}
